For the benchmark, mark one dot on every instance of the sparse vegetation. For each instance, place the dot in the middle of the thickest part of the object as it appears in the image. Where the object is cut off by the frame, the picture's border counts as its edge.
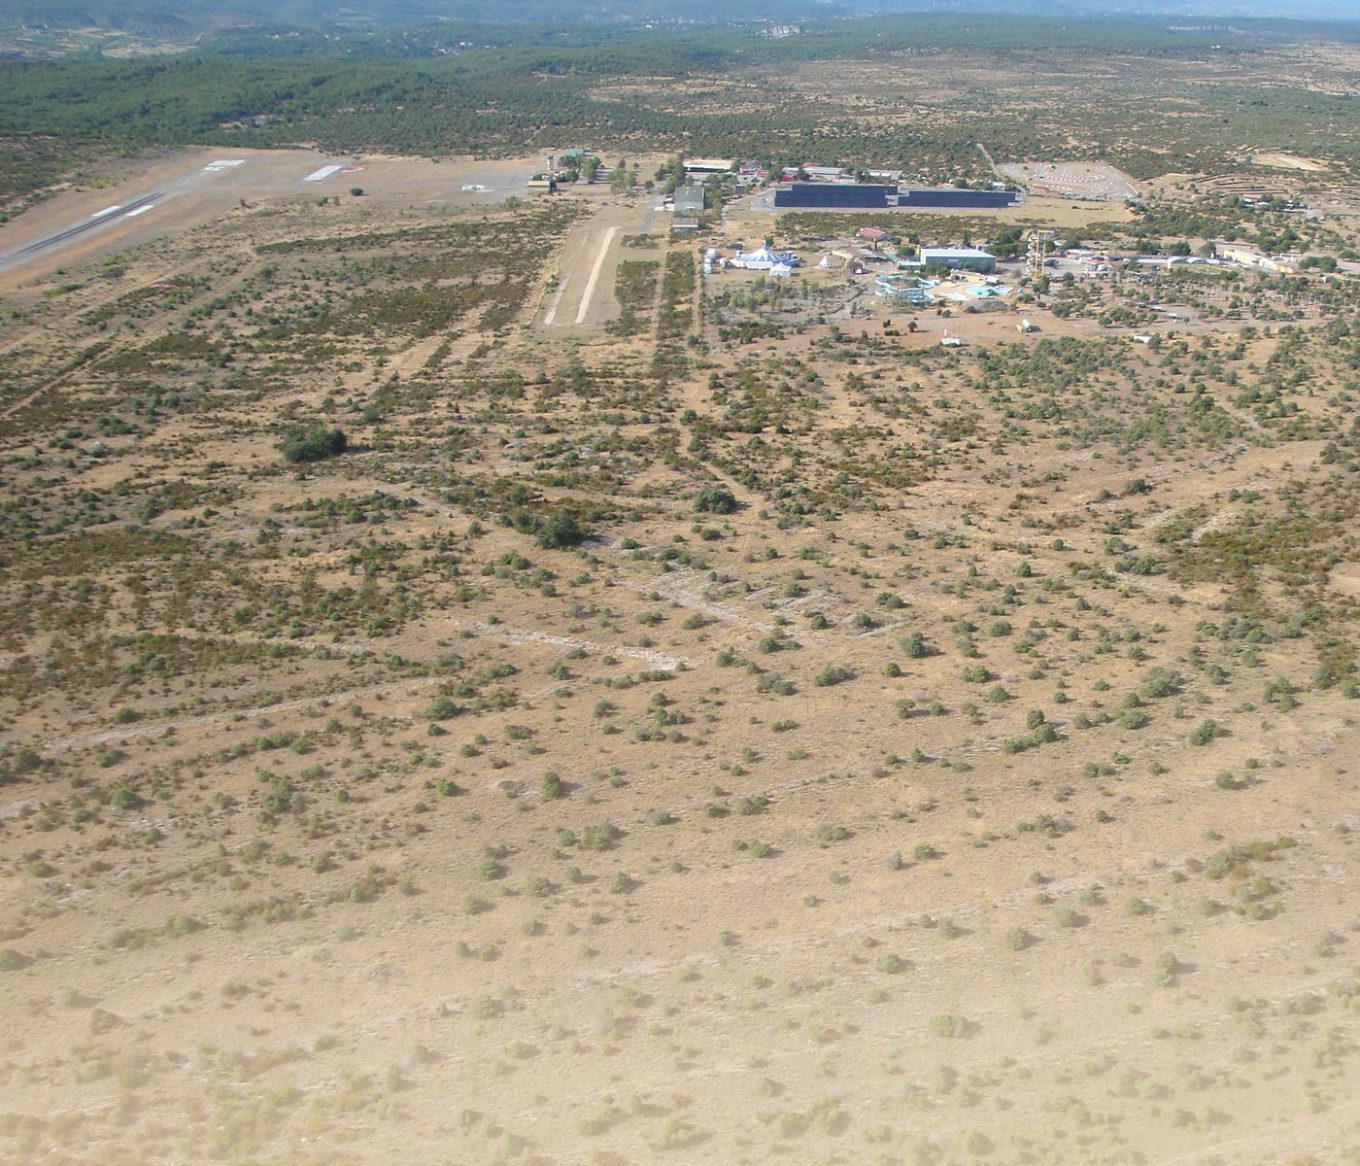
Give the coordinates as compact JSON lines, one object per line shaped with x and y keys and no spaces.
{"x":713,"y":654}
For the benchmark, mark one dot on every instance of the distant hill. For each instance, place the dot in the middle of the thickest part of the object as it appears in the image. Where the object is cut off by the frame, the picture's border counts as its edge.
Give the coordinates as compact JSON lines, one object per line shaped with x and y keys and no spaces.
{"x":190,"y":20}
{"x":204,"y":14}
{"x":186,"y":16}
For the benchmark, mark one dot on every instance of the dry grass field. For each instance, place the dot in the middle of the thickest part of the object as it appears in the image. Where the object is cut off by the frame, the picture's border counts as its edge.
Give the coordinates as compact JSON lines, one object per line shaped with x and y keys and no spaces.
{"x":716,"y":724}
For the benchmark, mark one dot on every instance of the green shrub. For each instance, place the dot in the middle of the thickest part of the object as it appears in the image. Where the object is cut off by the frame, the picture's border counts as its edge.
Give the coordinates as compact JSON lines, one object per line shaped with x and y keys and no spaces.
{"x":441,"y":708}
{"x":1205,"y":732}
{"x":831,"y":675}
{"x":559,"y":530}
{"x":828,"y":832}
{"x":313,"y":444}
{"x":1162,"y":682}
{"x":124,"y":799}
{"x":914,"y":645}
{"x":752,"y":804}
{"x":715,"y":501}
{"x":600,"y":836}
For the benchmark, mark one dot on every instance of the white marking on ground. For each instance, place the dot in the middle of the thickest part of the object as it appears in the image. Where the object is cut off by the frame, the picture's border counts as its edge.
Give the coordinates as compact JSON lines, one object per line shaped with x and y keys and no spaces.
{"x":525,"y":635}
{"x":673,"y":587}
{"x":108,"y":210}
{"x":595,"y":274}
{"x":141,"y":210}
{"x":551,"y":315}
{"x":323,"y":173}
{"x":223,"y":164}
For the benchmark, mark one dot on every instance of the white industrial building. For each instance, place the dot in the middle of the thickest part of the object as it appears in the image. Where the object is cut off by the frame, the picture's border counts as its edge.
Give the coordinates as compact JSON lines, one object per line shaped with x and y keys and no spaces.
{"x":958,"y":258}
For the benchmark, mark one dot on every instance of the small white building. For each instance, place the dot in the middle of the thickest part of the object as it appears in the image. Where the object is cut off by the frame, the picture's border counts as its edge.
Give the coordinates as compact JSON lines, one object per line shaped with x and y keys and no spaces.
{"x":709,"y":165}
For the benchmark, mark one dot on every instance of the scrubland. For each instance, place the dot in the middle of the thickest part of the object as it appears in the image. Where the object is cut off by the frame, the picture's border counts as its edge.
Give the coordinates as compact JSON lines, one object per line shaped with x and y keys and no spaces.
{"x":743,"y":732}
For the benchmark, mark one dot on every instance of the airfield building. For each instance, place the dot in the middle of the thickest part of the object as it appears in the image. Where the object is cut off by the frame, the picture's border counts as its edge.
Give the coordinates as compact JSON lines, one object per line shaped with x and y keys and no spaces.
{"x":958,"y":258}
{"x":708,"y":165}
{"x":872,"y":196}
{"x":952,"y":199}
{"x":689,"y":199}
{"x":846,"y":195}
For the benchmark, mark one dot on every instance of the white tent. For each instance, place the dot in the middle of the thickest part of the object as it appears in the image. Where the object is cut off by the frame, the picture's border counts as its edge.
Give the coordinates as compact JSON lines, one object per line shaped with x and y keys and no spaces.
{"x":764,"y":259}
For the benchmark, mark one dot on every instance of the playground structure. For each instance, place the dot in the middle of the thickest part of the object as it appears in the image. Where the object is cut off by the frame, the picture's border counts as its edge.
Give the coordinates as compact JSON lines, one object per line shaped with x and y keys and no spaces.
{"x":904,"y":289}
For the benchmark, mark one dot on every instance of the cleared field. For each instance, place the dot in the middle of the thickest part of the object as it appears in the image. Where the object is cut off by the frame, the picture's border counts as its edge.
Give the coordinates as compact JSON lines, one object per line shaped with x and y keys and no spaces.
{"x":1083,"y":180}
{"x":1280,"y":161}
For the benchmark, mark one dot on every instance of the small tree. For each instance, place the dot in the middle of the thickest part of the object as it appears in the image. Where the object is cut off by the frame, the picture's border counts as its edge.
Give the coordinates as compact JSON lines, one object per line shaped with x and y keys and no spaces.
{"x":715,"y":501}
{"x":314,"y":444}
{"x":559,"y":530}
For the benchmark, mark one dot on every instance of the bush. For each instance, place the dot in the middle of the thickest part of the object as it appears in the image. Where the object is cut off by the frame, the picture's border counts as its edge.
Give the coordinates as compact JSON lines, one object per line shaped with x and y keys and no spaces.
{"x":441,"y":708}
{"x":313,"y":444}
{"x":914,"y":645}
{"x":1205,"y":732}
{"x":715,"y":501}
{"x":828,"y":832}
{"x":948,"y":1025}
{"x":1163,"y":682}
{"x":124,"y":799}
{"x":831,"y":675}
{"x":601,"y":836}
{"x":559,"y":531}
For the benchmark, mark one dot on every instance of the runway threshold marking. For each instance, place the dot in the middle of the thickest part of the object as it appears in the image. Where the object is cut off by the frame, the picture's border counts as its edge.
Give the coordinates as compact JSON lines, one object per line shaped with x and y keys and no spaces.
{"x":551,"y":317}
{"x":595,"y":275}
